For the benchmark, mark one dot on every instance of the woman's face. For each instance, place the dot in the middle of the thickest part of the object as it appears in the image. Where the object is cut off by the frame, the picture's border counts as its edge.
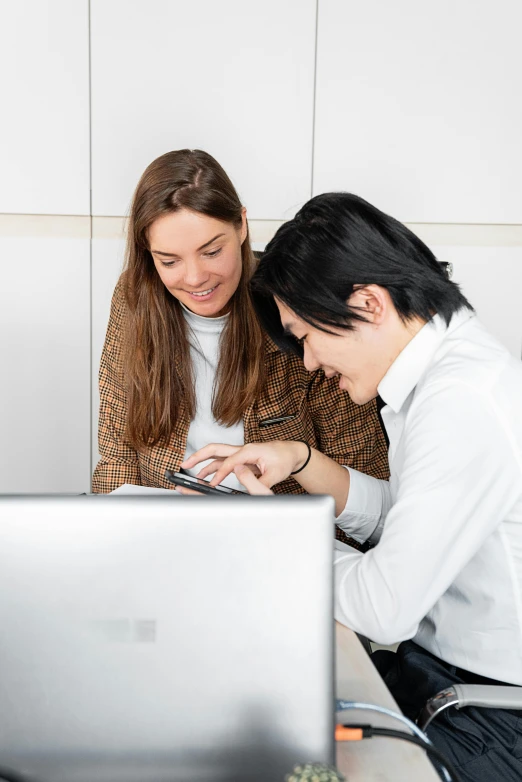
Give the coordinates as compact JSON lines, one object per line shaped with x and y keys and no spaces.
{"x":198,"y":259}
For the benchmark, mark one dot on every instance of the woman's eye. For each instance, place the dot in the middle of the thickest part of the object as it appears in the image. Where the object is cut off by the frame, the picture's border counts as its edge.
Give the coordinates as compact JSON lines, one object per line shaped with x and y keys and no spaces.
{"x":168,"y":264}
{"x":213,"y":253}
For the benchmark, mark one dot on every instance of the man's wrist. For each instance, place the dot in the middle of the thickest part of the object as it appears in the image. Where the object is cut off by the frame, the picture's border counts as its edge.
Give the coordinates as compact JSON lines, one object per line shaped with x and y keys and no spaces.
{"x":303,"y":453}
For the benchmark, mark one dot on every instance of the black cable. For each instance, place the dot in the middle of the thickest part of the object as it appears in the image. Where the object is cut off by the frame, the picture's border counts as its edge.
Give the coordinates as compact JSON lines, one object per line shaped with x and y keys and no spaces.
{"x":8,"y":775}
{"x":368,"y":732}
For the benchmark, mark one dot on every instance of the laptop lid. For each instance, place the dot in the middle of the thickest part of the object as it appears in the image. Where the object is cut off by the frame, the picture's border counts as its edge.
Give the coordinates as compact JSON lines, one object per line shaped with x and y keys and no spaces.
{"x":144,"y":638}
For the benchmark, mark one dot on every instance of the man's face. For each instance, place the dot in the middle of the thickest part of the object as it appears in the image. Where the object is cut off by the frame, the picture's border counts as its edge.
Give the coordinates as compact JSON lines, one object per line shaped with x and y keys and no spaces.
{"x":358,"y":357}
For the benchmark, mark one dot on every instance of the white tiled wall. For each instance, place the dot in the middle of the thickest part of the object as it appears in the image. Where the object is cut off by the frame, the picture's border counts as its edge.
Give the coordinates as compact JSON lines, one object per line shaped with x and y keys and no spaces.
{"x":491,"y":279}
{"x":233,"y":78}
{"x":417,"y":107}
{"x":44,"y":105}
{"x":413,"y":106}
{"x":45,"y":361}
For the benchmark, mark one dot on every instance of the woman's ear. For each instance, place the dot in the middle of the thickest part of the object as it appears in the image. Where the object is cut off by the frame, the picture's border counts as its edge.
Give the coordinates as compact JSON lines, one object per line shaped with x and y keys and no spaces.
{"x":371,"y":301}
{"x":244,"y":224}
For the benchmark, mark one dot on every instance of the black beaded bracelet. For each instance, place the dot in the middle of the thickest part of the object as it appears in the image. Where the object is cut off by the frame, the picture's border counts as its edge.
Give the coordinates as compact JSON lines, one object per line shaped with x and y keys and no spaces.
{"x":307,"y":458}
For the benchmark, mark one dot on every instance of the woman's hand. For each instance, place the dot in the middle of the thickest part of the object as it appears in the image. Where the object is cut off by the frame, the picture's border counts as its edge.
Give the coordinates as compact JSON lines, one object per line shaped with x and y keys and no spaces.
{"x":271,"y":462}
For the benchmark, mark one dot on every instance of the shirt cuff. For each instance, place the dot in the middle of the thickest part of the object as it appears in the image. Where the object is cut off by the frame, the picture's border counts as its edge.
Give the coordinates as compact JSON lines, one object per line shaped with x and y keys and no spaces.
{"x":366,"y":507}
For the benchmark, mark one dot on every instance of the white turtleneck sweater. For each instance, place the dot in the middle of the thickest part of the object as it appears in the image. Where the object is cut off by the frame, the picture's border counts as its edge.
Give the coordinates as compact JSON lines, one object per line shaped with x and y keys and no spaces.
{"x":204,"y":336}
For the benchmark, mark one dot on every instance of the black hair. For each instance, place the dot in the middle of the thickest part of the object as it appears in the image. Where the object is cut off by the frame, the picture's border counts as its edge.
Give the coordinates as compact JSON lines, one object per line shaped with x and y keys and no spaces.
{"x":334,"y":244}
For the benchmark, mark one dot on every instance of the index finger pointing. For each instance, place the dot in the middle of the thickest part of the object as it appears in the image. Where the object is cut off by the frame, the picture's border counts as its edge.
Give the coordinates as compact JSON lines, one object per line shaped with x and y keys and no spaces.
{"x":250,"y":482}
{"x":212,"y":451}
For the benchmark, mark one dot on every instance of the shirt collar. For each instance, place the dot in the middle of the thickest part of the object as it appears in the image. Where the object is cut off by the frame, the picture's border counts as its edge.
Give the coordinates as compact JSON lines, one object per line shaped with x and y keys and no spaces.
{"x":411,"y":363}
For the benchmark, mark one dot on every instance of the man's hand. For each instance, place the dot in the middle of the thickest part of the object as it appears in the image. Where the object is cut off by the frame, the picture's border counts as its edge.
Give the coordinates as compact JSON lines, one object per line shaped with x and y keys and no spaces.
{"x":270,"y":462}
{"x":252,"y":484}
{"x":266,"y":464}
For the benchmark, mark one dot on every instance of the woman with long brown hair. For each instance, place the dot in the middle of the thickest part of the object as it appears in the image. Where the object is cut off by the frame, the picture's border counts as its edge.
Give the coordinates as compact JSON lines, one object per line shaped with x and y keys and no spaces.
{"x":186,"y":361}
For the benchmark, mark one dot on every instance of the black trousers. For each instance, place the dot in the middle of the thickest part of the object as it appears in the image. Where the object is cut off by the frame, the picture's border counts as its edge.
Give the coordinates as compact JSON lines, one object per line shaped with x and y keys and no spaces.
{"x":484,"y":745}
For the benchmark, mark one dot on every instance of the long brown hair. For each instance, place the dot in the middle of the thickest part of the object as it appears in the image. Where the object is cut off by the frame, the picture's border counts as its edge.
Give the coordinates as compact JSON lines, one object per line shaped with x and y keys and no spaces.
{"x":157,"y":365}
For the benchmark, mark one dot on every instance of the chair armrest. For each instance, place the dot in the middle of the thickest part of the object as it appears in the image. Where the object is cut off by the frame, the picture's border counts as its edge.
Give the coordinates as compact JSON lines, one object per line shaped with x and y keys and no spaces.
{"x":460,"y":695}
{"x":489,"y":696}
{"x":439,"y":702}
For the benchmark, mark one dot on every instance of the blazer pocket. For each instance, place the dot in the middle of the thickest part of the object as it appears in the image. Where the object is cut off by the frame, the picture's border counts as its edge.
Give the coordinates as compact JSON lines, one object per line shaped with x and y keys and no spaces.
{"x":288,"y":425}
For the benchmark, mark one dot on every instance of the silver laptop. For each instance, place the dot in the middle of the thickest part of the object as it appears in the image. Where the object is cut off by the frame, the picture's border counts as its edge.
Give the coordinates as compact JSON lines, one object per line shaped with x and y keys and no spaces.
{"x":157,"y":639}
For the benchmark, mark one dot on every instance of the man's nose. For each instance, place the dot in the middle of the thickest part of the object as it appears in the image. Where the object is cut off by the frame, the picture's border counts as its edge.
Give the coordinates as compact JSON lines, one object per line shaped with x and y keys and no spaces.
{"x":310,"y":362}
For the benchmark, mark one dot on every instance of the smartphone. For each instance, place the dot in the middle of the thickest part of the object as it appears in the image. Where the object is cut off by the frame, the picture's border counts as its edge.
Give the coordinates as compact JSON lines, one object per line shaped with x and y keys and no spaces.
{"x":198,"y":484}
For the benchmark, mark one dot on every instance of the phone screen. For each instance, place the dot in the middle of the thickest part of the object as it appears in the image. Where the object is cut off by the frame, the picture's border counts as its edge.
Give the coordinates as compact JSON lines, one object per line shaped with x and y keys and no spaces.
{"x":198,"y":484}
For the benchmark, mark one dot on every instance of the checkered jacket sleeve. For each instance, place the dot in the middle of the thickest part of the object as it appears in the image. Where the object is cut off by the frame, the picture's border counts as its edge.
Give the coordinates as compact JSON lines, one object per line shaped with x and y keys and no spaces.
{"x":348,"y":433}
{"x":119,"y":461}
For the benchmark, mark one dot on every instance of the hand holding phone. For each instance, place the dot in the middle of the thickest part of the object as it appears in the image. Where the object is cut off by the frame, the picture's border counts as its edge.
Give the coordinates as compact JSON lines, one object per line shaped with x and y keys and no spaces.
{"x":198,"y":484}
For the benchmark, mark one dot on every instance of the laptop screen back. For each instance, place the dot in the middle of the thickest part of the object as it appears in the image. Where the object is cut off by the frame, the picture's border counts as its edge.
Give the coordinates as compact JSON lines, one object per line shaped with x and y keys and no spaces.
{"x":146,"y":639}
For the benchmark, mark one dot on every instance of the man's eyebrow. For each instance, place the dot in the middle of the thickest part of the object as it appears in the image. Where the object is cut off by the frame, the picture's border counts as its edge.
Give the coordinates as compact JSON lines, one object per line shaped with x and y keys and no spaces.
{"x":173,"y":255}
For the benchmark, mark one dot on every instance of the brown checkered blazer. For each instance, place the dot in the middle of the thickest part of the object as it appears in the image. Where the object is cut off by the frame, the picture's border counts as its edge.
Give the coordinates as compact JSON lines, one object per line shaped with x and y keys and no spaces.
{"x":324,"y":416}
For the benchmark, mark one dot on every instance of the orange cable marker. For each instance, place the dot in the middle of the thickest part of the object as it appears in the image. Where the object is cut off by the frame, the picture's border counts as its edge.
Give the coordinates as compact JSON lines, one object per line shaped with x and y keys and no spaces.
{"x":342,"y":733}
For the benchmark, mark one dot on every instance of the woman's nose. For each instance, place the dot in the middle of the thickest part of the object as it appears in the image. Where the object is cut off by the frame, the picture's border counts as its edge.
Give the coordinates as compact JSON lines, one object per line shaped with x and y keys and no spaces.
{"x":195,"y":275}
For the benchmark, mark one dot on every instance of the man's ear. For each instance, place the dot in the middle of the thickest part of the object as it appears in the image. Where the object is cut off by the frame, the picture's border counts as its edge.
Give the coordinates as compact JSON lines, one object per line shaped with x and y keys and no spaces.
{"x":371,"y":301}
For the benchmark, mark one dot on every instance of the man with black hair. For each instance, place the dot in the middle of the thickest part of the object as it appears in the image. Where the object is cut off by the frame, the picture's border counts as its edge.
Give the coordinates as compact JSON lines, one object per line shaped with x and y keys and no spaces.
{"x":357,"y":294}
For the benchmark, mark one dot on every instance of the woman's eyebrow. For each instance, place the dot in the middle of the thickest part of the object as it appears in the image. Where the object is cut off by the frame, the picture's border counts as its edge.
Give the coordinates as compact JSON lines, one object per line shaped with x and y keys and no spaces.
{"x":165,"y":255}
{"x":173,"y":255}
{"x":217,"y":236}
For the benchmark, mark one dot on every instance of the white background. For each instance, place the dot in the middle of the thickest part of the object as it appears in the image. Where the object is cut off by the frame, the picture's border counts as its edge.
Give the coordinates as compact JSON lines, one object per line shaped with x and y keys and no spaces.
{"x":45,"y":359}
{"x":234,"y":78}
{"x":417,"y":107}
{"x":414,"y":106}
{"x":44,"y":107}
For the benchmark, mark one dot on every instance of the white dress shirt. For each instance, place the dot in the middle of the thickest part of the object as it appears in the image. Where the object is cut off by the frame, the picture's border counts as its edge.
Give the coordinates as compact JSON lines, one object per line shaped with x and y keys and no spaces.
{"x":447,"y":570}
{"x":204,"y":336}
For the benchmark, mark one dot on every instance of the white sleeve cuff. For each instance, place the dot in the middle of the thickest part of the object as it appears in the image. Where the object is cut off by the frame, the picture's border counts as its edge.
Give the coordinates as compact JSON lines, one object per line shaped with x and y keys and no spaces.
{"x":366,"y":507}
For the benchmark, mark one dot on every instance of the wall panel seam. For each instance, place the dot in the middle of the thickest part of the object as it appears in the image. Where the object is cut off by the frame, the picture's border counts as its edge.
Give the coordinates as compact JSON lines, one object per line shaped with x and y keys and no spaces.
{"x":110,"y":227}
